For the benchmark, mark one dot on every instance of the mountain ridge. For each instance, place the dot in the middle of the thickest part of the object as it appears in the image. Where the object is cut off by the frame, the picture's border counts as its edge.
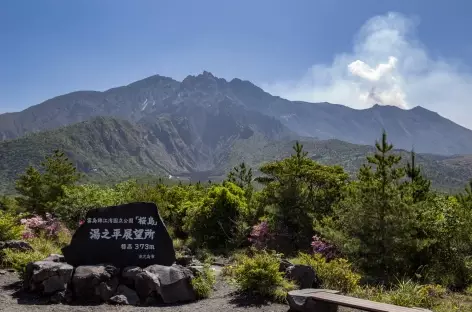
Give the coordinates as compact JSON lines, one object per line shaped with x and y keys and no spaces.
{"x":199,"y":96}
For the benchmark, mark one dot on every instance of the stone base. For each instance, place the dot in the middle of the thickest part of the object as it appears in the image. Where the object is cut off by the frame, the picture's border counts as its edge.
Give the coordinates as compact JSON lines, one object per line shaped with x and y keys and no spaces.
{"x":63,"y":283}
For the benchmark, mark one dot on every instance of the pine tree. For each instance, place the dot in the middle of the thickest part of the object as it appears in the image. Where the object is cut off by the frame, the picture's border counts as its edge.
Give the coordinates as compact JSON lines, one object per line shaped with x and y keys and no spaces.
{"x":242,"y":176}
{"x":40,"y":192}
{"x":420,"y":185}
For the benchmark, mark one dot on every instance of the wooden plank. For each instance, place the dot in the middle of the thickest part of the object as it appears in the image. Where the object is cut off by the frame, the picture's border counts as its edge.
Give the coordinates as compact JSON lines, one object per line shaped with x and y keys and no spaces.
{"x":362,"y":304}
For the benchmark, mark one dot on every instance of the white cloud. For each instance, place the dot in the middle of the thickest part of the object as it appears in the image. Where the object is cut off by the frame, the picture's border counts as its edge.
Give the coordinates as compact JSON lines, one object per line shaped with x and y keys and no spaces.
{"x":388,"y":66}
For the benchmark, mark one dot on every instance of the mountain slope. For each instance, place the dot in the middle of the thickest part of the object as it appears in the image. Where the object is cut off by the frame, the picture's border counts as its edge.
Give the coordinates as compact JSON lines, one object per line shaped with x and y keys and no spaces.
{"x":418,"y":128}
{"x":108,"y":148}
{"x":202,"y":96}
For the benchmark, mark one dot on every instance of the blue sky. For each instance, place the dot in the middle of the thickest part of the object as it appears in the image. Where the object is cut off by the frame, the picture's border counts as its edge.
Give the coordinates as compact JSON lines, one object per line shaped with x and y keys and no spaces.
{"x":302,"y":49}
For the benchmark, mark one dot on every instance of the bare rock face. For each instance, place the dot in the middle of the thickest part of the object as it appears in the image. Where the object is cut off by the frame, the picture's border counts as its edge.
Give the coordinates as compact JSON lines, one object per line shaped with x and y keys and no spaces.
{"x":47,"y":277}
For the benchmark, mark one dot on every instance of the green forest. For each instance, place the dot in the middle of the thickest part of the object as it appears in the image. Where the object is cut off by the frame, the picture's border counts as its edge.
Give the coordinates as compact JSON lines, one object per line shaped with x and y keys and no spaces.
{"x":384,"y":235}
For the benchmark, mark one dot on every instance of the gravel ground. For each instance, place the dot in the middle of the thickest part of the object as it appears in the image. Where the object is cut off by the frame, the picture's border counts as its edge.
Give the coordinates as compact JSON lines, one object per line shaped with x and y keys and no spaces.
{"x":223,"y":299}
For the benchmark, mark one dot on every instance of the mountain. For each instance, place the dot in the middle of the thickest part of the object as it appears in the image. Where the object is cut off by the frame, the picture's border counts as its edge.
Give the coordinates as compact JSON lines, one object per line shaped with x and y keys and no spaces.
{"x":107,"y":148}
{"x":204,"y":98}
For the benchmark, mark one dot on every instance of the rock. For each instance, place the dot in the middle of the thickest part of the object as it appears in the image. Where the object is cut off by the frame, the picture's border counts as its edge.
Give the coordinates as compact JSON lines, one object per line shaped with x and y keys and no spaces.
{"x":184,"y":260}
{"x":284,"y":265}
{"x":303,"y":275}
{"x":126,"y":235}
{"x":95,"y":283}
{"x":47,"y":277}
{"x":299,"y":300}
{"x":175,"y":283}
{"x":129,"y":275}
{"x":3,"y":272}
{"x":130,"y":295}
{"x":146,"y":283}
{"x":58,"y":297}
{"x":196,"y":269}
{"x":18,"y":245}
{"x":107,"y":289}
{"x":55,"y":258}
{"x":119,"y":299}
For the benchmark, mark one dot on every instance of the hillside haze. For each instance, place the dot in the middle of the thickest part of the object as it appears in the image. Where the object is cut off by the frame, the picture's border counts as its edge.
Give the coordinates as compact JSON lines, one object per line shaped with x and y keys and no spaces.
{"x":212,"y":107}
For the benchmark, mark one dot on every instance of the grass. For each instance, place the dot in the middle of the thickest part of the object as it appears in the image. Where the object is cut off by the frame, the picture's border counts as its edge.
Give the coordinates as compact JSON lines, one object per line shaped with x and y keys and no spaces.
{"x":204,"y":282}
{"x":42,"y":248}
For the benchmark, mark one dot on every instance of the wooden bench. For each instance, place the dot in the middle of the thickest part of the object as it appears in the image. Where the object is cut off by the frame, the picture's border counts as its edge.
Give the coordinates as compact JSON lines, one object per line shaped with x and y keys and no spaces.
{"x":325,"y":300}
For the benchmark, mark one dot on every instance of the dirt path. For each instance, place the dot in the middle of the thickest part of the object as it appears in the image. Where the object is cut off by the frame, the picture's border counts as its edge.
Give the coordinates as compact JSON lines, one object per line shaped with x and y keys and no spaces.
{"x":223,"y":299}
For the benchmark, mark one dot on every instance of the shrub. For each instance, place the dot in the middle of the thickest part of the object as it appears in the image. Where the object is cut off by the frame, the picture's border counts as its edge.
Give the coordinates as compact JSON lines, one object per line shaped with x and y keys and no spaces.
{"x":336,"y":274}
{"x":37,"y":226}
{"x":204,"y":281}
{"x":259,"y":275}
{"x":405,"y":293}
{"x":213,"y":221}
{"x":9,"y":226}
{"x":42,"y":248}
{"x":409,"y":294}
{"x":260,"y":235}
{"x":323,"y":248}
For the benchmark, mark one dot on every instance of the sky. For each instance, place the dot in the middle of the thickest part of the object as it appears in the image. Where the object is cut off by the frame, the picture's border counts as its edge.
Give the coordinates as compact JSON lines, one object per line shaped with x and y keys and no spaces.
{"x":355,"y":53}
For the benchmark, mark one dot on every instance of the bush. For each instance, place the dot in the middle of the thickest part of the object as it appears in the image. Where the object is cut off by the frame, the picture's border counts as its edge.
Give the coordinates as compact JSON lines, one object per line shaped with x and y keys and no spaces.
{"x":259,"y":275}
{"x":336,"y":274}
{"x":405,"y":293}
{"x":323,"y":248}
{"x":9,"y":226}
{"x":203,"y":283}
{"x":260,"y":235}
{"x":409,"y":294}
{"x":18,"y":260}
{"x":37,"y":226}
{"x":214,"y":221}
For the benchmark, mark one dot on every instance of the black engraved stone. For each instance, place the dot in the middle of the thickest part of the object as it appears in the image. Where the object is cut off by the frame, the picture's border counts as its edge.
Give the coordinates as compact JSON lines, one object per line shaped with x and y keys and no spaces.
{"x":126,"y":235}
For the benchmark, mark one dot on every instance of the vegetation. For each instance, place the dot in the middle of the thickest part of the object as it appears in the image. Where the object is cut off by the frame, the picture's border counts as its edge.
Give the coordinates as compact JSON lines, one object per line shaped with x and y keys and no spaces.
{"x":204,"y":281}
{"x":110,"y":150}
{"x":385,"y":234}
{"x":258,"y":274}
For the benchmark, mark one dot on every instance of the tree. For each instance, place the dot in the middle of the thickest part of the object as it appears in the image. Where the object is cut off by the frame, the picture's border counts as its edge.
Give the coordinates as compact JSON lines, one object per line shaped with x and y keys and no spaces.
{"x":213,"y":221}
{"x":41,"y":191}
{"x":420,"y":186}
{"x":465,"y":198}
{"x":297,"y":191}
{"x":371,"y":224}
{"x":242,"y":177}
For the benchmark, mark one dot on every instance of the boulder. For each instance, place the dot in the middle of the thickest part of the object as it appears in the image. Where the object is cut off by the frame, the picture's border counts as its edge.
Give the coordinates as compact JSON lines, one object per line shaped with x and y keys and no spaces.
{"x":119,"y":299}
{"x":95,"y":283}
{"x":126,"y":235}
{"x":129,"y":275}
{"x":175,"y":283}
{"x":47,"y":277}
{"x":303,"y":275}
{"x":130,"y":295}
{"x":17,"y":245}
{"x":55,"y":258}
{"x":146,"y":283}
{"x":284,"y":265}
{"x":184,"y":260}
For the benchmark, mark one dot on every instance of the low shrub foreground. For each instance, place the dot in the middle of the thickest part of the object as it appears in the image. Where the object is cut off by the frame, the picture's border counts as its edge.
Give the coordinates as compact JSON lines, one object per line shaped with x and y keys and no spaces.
{"x":384,"y":236}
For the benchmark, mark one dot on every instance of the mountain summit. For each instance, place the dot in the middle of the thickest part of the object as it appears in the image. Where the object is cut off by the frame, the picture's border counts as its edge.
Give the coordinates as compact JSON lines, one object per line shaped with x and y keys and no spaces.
{"x":213,"y":106}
